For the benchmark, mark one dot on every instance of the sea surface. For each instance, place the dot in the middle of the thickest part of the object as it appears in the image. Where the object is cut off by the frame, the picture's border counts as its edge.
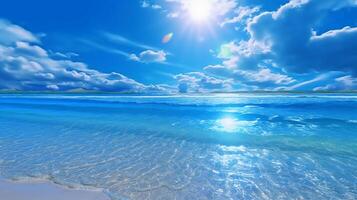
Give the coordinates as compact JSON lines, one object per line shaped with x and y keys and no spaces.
{"x":237,"y":146}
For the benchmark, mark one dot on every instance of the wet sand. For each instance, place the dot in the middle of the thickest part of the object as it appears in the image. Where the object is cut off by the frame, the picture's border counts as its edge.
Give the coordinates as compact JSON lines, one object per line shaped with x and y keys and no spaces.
{"x":44,"y":191}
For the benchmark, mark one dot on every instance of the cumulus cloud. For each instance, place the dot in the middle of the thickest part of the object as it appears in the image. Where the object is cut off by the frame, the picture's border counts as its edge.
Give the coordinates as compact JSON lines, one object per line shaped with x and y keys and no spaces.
{"x":200,"y":82}
{"x":25,"y":48}
{"x":24,"y":71}
{"x":284,"y":42}
{"x":27,"y":66}
{"x":244,"y":54}
{"x":287,"y":37}
{"x":10,"y":33}
{"x":242,"y":15}
{"x":263,"y":77}
{"x":149,"y":56}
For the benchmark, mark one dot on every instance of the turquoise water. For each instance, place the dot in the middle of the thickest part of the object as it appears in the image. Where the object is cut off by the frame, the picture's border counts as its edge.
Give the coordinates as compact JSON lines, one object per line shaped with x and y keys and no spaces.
{"x":240,"y":146}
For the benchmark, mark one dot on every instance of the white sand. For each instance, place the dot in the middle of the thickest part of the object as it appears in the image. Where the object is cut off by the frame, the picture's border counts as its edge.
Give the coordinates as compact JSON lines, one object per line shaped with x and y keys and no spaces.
{"x":44,"y":191}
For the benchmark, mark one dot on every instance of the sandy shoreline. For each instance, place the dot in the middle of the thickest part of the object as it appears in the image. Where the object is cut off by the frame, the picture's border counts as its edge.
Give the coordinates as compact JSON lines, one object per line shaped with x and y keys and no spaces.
{"x":45,"y":190}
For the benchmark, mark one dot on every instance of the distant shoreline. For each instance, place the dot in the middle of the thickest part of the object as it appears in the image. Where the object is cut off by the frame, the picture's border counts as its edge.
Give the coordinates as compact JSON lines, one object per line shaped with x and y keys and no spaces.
{"x":166,"y":94}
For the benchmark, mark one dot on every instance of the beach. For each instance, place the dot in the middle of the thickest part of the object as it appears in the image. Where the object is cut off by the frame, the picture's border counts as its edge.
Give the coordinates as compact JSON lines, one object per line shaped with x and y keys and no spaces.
{"x":44,"y":190}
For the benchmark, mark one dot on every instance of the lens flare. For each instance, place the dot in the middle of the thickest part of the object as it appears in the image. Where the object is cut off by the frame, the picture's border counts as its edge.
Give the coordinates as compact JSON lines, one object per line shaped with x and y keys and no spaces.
{"x":167,"y":38}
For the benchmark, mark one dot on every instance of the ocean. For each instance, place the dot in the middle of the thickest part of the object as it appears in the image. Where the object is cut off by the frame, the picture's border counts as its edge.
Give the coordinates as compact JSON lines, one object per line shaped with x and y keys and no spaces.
{"x":217,"y":146}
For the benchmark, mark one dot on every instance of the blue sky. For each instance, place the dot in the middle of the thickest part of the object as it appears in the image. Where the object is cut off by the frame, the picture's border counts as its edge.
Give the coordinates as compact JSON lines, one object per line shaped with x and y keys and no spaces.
{"x":211,"y":45}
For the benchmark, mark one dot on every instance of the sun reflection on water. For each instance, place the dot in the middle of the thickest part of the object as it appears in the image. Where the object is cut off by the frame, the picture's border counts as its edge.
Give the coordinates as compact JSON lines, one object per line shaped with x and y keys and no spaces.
{"x":227,"y":124}
{"x":231,"y":124}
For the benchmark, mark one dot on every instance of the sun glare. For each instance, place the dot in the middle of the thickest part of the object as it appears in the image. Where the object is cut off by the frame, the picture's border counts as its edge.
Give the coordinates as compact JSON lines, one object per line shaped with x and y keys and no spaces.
{"x":227,"y":124}
{"x":199,"y":10}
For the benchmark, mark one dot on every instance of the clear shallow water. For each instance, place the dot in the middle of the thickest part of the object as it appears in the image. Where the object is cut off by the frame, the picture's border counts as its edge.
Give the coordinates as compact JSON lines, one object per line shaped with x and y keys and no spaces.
{"x":202,"y":147}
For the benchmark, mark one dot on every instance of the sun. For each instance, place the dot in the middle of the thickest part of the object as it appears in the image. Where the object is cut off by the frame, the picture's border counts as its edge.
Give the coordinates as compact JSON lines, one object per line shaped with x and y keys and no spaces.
{"x":199,"y":10}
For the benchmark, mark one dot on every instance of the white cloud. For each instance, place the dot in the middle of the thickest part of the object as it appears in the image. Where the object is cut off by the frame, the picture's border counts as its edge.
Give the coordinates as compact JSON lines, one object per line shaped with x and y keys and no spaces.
{"x":173,"y":15}
{"x":242,"y":15}
{"x":31,"y":50}
{"x":67,"y":55}
{"x":52,"y":87}
{"x":200,"y":82}
{"x":149,"y":56}
{"x":156,"y":6}
{"x":296,"y":47}
{"x":274,"y":49}
{"x":348,"y":81}
{"x":10,"y":33}
{"x":340,"y":83}
{"x":25,"y":66}
{"x":28,"y":72}
{"x":248,"y":52}
{"x":147,"y":4}
{"x":263,"y":77}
